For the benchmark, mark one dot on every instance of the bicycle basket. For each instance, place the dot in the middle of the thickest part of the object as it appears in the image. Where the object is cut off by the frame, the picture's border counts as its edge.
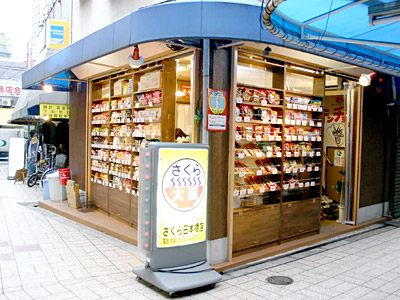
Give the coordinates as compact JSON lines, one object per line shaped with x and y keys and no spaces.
{"x":61,"y":161}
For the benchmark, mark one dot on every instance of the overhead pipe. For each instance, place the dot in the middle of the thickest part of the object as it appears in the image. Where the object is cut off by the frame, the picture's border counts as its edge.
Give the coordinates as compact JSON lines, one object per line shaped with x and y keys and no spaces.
{"x":271,"y":5}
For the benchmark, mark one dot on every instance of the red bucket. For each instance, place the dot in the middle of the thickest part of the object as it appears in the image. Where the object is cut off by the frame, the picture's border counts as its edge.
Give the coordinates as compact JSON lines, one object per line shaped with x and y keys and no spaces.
{"x":64,"y":175}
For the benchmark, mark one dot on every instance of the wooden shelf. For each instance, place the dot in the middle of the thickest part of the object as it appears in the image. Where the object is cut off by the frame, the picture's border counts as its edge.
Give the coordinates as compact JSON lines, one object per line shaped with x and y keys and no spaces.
{"x":149,"y":69}
{"x":147,"y":91}
{"x":300,"y":93}
{"x":121,"y":96}
{"x":258,"y":104}
{"x":245,"y":85}
{"x":101,"y":99}
{"x":147,"y":106}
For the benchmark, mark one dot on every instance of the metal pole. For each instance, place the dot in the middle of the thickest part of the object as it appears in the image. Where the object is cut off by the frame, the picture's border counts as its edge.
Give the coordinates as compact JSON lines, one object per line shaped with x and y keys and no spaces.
{"x":206,"y":84}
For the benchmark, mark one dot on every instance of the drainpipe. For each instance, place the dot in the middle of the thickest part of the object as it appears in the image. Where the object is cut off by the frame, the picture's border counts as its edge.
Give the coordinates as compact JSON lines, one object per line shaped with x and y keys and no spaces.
{"x":206,"y":85}
{"x":331,"y":50}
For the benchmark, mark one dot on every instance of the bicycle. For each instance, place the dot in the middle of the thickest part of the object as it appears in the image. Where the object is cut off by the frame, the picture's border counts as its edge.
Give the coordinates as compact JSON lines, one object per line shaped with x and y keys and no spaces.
{"x":41,"y":167}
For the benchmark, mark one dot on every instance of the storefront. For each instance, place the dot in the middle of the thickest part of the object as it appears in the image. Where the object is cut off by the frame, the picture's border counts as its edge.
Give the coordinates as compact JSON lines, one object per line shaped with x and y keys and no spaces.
{"x":291,"y":123}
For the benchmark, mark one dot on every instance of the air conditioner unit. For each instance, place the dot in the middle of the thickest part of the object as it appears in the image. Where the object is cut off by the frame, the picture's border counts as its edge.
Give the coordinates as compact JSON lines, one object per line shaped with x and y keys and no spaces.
{"x":6,"y":102}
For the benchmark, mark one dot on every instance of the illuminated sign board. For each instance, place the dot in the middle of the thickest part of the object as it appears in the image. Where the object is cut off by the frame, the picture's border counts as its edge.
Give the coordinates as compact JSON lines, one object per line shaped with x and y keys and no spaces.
{"x":58,"y":34}
{"x":54,"y":111}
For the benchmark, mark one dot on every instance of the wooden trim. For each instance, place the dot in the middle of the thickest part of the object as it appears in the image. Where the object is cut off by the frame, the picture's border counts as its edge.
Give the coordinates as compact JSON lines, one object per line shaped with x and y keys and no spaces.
{"x":358,"y":150}
{"x":88,"y":182}
{"x":234,"y":61}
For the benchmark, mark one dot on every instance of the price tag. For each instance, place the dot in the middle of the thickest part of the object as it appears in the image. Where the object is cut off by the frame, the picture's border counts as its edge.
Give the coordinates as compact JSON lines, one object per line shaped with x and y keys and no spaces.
{"x":320,"y":108}
{"x":288,"y":138}
{"x":312,"y":183}
{"x":289,"y":154}
{"x":287,"y":121}
{"x":241,"y":174}
{"x":291,"y":186}
{"x":150,"y":103}
{"x":242,"y":192}
{"x":311,"y":154}
{"x":239,"y":100}
{"x":307,"y":184}
{"x":274,"y":121}
{"x":289,"y":105}
{"x":235,"y":193}
{"x":298,"y":122}
{"x":316,"y":168}
{"x":319,"y":138}
{"x":286,"y":186}
{"x":287,"y":171}
{"x":273,"y":188}
{"x":313,"y":139}
{"x":241,"y":155}
{"x":250,"y":191}
{"x":238,"y":137}
{"x":264,"y":102}
{"x":278,"y":138}
{"x":269,"y":154}
{"x":294,"y":138}
{"x":259,"y":154}
{"x":304,"y":107}
{"x":262,"y":189}
{"x":302,"y":169}
{"x":296,"y":154}
{"x":301,"y":184}
{"x":274,"y":171}
{"x":314,"y":108}
{"x":309,"y":108}
{"x":120,"y":188}
{"x":272,"y":138}
{"x":304,"y":122}
{"x":259,"y":172}
{"x":258,"y":137}
{"x":247,"y":119}
{"x":294,"y":106}
{"x":279,"y":121}
{"x":300,"y":137}
{"x":238,"y":119}
{"x":306,"y":138}
{"x":309,"y":169}
{"x":292,"y":122}
{"x":91,"y":179}
{"x":311,"y":122}
{"x":318,"y":153}
{"x":265,"y":120}
{"x":249,"y":137}
{"x":137,"y":104}
{"x":294,"y":170}
{"x":279,"y":154}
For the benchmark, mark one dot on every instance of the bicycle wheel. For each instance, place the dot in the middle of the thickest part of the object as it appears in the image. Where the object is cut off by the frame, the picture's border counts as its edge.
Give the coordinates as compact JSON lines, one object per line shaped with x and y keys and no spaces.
{"x":32,"y":180}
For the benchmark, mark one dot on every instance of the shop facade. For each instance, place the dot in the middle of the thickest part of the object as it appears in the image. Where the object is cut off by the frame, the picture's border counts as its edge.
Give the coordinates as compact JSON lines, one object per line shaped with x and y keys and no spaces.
{"x":289,"y":123}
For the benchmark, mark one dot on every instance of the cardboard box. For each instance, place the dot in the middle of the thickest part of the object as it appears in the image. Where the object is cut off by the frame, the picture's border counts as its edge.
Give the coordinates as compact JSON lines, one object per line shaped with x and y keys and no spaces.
{"x":73,"y":194}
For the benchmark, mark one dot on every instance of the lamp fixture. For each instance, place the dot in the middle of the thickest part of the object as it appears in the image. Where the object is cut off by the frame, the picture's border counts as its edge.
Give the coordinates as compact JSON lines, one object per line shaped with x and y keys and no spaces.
{"x":135,"y":60}
{"x":365,"y":79}
{"x":47,"y":88}
{"x":267,"y":51}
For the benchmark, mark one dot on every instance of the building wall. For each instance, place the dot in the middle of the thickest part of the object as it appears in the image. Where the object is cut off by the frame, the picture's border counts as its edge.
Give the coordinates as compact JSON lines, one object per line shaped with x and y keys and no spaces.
{"x":91,"y":15}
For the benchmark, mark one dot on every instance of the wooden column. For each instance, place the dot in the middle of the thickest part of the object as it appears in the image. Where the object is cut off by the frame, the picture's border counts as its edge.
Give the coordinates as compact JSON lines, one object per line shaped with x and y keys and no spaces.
{"x":220,"y":78}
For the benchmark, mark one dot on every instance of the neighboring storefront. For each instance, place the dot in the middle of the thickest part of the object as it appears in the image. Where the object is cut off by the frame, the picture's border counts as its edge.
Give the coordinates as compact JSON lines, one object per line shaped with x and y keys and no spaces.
{"x":290,"y":124}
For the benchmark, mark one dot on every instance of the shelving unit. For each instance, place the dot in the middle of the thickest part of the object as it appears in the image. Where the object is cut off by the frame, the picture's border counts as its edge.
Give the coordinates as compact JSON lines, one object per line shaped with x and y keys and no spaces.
{"x":128,"y":110}
{"x":277,"y":156}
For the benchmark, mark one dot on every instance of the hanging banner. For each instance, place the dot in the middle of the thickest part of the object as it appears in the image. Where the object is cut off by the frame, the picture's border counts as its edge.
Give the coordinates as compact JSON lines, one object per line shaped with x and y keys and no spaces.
{"x":54,"y":111}
{"x":334,"y":127}
{"x":217,"y":110}
{"x":58,"y":34}
{"x":181,"y":196}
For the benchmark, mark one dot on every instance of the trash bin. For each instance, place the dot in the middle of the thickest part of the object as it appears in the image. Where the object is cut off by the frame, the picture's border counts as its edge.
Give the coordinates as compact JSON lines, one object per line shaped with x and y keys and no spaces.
{"x":57,"y":191}
{"x":64,"y":175}
{"x":46,"y":193}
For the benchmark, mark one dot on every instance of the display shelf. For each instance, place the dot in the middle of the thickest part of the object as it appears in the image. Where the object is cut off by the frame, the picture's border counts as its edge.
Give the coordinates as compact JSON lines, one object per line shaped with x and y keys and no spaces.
{"x":147,"y":91}
{"x":138,"y":106}
{"x":121,"y":96}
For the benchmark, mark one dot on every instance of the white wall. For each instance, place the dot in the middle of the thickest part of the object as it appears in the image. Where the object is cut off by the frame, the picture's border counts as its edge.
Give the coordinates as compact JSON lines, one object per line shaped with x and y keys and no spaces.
{"x":91,"y":15}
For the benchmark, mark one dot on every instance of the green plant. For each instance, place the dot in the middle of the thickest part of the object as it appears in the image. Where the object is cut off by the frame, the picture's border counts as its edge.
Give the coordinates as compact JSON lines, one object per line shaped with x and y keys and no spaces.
{"x":340,"y":186}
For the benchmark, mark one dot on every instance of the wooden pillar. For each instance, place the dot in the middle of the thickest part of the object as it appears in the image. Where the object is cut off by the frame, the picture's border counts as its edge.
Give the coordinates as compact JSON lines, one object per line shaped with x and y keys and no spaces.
{"x":220,"y":78}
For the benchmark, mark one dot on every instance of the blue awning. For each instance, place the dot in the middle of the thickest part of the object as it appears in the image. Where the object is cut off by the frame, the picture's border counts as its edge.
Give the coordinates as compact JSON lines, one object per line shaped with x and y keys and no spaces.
{"x":228,"y":20}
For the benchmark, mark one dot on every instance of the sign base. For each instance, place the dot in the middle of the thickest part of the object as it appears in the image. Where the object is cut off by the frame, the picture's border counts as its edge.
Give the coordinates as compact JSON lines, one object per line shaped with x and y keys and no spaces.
{"x":179,"y":278}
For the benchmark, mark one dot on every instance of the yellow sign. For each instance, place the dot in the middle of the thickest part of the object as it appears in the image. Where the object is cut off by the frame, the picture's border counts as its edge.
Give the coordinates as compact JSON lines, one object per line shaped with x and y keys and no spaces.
{"x":54,"y":111}
{"x":181,"y":197}
{"x":58,"y":34}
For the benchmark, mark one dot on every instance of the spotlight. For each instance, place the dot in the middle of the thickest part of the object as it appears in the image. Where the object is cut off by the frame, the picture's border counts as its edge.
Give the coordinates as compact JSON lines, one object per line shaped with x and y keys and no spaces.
{"x":135,"y":60}
{"x":267,"y":51}
{"x":47,"y":88}
{"x":365,"y":79}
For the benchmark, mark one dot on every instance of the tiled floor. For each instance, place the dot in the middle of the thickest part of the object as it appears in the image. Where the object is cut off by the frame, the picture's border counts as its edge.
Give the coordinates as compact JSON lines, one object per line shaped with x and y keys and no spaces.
{"x":45,"y":256}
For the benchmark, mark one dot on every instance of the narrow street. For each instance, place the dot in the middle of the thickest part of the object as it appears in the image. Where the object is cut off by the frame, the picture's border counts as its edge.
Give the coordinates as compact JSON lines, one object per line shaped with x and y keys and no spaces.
{"x":45,"y":256}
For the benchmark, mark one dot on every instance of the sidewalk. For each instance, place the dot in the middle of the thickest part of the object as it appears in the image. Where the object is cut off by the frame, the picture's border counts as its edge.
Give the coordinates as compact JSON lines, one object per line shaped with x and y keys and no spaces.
{"x":46,"y":256}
